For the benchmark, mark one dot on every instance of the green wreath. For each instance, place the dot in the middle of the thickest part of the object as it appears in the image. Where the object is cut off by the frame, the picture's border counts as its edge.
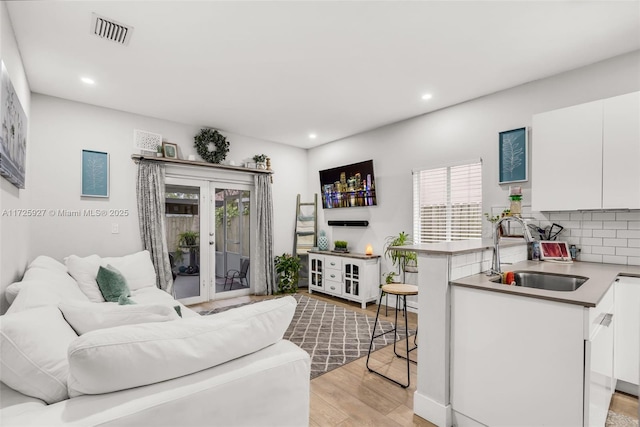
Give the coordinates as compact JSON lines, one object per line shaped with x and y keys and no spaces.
{"x":207,"y":137}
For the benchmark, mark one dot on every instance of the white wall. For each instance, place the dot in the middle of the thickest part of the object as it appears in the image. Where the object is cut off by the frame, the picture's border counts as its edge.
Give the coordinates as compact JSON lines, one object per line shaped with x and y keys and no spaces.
{"x":465,"y":131}
{"x":14,"y":231}
{"x":61,"y":129}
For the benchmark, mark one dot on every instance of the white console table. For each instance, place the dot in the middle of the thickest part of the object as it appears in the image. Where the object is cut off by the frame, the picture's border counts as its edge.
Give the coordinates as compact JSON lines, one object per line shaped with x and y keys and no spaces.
{"x":352,"y":276}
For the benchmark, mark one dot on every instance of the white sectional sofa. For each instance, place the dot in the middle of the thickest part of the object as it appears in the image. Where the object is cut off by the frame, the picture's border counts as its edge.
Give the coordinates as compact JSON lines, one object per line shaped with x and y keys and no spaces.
{"x":67,"y":360}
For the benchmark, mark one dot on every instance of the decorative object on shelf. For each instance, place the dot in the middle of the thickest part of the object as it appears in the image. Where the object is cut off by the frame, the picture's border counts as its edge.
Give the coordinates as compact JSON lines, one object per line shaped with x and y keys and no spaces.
{"x":288,"y":268}
{"x":261,"y":161}
{"x":207,"y":137}
{"x":191,"y":158}
{"x":368,"y":250}
{"x":95,"y":174}
{"x":323,"y":241}
{"x":13,"y":141}
{"x":340,"y":246}
{"x":159,"y":151}
{"x":398,"y":257}
{"x":513,"y":156}
{"x":170,"y":150}
{"x":515,"y":194}
{"x":146,"y":141}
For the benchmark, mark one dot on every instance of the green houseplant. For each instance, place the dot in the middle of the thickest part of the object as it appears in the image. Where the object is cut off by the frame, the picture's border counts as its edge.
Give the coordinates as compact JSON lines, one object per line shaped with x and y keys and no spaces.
{"x":340,"y":246}
{"x":288,"y":268}
{"x":261,"y":161}
{"x":188,"y":239}
{"x":400,"y":258}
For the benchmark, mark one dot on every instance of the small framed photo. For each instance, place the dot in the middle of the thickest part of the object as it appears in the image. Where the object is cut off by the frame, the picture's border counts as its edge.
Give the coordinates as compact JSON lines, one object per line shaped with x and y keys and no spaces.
{"x":513,"y":156}
{"x":170,"y":150}
{"x":95,"y":174}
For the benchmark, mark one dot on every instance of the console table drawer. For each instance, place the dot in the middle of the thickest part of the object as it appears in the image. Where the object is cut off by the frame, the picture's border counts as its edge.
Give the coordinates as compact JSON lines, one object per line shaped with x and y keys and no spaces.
{"x":333,"y":287}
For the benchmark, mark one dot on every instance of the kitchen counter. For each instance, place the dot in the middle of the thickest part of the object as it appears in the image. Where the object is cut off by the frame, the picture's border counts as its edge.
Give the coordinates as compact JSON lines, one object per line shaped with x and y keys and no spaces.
{"x":459,"y":247}
{"x":601,"y":276}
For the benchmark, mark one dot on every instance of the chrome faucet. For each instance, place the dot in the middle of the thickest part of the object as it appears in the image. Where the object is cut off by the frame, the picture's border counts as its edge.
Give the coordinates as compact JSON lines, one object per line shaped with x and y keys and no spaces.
{"x":495,"y":268}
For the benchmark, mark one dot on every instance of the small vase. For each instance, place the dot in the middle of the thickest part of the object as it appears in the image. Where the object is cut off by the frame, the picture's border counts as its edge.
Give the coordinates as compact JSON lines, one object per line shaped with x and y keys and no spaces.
{"x":323,"y":241}
{"x":261,"y":165}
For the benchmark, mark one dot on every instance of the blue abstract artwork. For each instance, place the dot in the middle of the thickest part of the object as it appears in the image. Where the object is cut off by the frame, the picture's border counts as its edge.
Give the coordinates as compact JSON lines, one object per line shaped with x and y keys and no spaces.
{"x":95,"y":174}
{"x":513,"y":156}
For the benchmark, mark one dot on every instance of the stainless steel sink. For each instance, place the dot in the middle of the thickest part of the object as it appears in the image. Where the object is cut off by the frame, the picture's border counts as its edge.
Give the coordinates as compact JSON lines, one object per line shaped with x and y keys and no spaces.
{"x":548,"y":281}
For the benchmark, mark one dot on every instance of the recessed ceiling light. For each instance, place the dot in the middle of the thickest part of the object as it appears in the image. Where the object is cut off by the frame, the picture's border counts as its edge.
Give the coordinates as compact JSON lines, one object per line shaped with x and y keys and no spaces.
{"x":312,"y":135}
{"x":427,"y":96}
{"x":87,"y":80}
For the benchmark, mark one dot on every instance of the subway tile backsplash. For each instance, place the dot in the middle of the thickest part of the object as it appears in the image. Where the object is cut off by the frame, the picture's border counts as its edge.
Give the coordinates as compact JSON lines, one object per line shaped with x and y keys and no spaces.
{"x":607,"y":236}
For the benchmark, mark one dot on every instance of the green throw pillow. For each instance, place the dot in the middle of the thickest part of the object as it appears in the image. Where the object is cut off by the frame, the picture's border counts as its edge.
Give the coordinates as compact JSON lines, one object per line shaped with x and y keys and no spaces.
{"x":125,"y":300}
{"x":112,"y":284}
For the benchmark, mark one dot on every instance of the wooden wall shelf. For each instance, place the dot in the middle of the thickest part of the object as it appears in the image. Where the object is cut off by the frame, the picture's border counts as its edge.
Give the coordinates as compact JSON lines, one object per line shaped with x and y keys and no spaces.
{"x":137,"y":157}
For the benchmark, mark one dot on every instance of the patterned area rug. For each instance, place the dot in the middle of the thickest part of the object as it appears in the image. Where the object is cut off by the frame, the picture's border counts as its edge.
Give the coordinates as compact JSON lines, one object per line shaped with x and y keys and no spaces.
{"x":619,"y":420}
{"x":332,"y":335}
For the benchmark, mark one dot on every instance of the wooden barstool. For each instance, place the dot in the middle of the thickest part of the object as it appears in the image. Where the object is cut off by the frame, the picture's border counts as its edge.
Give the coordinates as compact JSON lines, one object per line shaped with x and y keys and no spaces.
{"x":401,"y":291}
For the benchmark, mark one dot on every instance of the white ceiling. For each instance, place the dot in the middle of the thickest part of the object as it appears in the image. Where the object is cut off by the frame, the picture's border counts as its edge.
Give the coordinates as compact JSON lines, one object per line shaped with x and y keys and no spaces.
{"x":279,"y":70}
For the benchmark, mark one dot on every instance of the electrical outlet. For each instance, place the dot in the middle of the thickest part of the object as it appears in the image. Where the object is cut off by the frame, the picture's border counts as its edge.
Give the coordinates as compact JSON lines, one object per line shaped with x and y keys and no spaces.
{"x":114,"y":228}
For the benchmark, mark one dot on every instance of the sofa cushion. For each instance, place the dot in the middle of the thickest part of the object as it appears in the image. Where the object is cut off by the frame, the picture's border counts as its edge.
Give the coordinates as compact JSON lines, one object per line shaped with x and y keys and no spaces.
{"x":85,"y":271}
{"x":89,"y":316}
{"x":119,"y":358}
{"x":33,"y":352}
{"x":45,"y":269}
{"x":136,"y":268}
{"x":158,"y":296}
{"x":112,"y":283}
{"x":39,"y":293}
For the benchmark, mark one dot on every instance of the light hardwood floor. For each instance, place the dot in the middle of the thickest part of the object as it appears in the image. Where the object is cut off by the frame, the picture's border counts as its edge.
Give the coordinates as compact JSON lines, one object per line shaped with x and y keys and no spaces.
{"x":352,"y":396}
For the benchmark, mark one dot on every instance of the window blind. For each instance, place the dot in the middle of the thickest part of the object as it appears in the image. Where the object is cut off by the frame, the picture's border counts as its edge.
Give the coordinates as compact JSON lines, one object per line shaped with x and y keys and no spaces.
{"x":447,"y":203}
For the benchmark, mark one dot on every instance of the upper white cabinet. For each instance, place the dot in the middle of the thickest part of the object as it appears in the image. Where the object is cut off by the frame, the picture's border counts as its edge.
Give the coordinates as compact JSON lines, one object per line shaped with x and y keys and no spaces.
{"x":585,"y":156}
{"x":621,"y":152}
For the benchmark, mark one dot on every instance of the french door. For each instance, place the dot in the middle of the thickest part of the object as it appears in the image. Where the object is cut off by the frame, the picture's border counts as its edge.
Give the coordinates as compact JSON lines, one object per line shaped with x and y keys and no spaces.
{"x":209,"y":230}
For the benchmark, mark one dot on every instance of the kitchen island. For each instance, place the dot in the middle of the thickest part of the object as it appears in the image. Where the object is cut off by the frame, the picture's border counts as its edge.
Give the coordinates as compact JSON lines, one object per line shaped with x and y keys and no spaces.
{"x":475,"y":333}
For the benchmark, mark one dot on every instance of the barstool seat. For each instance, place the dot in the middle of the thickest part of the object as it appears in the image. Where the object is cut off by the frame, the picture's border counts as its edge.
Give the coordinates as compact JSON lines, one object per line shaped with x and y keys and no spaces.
{"x":401,"y":291}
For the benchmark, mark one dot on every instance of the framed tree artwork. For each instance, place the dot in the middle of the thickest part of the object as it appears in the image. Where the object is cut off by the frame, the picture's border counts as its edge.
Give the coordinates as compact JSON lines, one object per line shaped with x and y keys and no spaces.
{"x":95,"y":174}
{"x":513,"y":156}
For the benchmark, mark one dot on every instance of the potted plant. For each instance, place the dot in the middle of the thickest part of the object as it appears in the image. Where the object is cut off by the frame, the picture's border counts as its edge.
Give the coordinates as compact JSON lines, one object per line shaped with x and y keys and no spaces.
{"x":261,"y":161}
{"x":187,"y":240}
{"x":398,"y":257}
{"x":389,"y":277}
{"x":287,"y":267}
{"x":340,"y":246}
{"x":159,"y":151}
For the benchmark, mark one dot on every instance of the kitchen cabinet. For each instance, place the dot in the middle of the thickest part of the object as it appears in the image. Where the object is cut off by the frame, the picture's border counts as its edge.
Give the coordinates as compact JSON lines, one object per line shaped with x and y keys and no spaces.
{"x":584,"y":156}
{"x":621,"y":135}
{"x":354,"y":277}
{"x":540,"y":362}
{"x":627,"y":334}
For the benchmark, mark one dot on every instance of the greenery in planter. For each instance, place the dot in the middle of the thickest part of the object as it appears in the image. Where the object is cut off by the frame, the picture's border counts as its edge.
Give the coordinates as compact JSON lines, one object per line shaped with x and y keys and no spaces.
{"x":398,"y":257}
{"x":288,"y":268}
{"x":203,"y":141}
{"x":260,"y":158}
{"x":388,"y":277}
{"x":188,"y":238}
{"x":340,"y":245}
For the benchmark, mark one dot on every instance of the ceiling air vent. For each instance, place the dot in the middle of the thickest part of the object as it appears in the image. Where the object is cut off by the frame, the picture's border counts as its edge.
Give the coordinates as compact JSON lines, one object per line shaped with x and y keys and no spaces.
{"x":110,"y":30}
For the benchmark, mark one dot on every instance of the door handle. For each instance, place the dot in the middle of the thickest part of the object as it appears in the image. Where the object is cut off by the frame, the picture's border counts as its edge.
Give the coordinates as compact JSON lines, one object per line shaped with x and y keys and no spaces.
{"x":606,"y":321}
{"x":211,"y":242}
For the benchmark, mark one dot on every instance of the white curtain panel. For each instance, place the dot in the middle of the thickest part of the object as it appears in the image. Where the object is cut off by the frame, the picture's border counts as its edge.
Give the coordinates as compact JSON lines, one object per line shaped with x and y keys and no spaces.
{"x":151,"y":213}
{"x":265,"y":272}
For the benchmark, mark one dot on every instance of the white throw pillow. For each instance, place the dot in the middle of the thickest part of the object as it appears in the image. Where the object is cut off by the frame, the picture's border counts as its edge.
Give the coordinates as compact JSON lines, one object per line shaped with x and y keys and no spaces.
{"x":48,"y":263}
{"x":33,"y":353}
{"x":85,"y":271}
{"x":89,"y":316}
{"x":38,"y":293}
{"x":45,"y":269}
{"x":136,"y":268}
{"x":119,"y":358}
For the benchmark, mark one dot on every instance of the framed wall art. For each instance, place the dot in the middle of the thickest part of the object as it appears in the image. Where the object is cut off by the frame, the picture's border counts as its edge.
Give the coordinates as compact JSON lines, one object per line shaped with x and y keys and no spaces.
{"x":95,"y":174}
{"x":513,"y":156}
{"x":13,"y":133}
{"x":170,"y":150}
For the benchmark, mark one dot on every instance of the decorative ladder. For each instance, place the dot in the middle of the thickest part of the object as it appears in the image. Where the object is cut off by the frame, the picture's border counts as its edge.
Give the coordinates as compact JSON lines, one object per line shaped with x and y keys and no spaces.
{"x":305,"y":236}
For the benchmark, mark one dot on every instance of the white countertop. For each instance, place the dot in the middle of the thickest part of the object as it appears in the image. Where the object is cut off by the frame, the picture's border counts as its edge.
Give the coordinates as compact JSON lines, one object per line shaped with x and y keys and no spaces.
{"x":601,"y":276}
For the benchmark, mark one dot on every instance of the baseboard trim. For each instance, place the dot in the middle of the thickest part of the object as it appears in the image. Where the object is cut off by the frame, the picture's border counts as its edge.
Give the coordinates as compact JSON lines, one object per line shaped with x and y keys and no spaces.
{"x":628,"y":388}
{"x":431,"y":410}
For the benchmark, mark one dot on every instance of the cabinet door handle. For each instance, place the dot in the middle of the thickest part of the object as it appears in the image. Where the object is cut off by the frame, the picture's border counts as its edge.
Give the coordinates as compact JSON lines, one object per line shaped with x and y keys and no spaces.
{"x":606,"y":320}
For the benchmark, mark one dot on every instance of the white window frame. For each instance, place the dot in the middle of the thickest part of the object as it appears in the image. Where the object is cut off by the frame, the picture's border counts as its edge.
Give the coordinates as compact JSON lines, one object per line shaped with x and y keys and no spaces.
{"x":418,"y":226}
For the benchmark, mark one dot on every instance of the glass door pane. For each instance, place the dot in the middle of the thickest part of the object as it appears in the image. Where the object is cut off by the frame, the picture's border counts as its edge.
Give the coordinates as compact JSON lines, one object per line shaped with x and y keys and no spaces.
{"x":232,"y":241}
{"x":183,"y":209}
